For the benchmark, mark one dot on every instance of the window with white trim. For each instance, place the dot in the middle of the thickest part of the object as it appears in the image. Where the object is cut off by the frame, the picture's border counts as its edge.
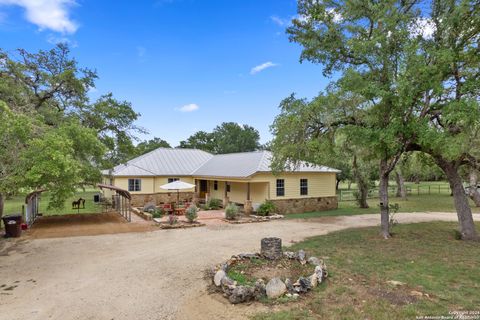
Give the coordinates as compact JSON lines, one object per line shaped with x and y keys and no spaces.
{"x":303,"y":187}
{"x":134,"y":184}
{"x":280,"y":187}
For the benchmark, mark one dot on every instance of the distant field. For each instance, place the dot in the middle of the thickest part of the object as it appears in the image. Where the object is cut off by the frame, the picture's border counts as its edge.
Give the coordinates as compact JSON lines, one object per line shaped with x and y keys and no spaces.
{"x":413,"y":203}
{"x":14,"y":205}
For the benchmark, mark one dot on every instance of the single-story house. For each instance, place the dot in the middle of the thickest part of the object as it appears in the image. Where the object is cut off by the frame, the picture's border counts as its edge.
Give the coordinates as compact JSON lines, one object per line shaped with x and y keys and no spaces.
{"x":243,"y":178}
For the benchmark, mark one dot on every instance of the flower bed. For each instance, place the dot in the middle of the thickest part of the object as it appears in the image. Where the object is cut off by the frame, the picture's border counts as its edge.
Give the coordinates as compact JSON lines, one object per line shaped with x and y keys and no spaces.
{"x":253,"y":218}
{"x":179,"y":224}
{"x":248,"y":277}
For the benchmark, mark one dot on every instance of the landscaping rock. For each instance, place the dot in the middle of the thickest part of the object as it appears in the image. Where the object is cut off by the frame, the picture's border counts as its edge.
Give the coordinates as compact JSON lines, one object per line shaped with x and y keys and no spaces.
{"x":321,"y":273}
{"x":260,"y":289}
{"x":219,"y":275}
{"x":241,"y":294}
{"x":302,"y":256}
{"x":228,"y":285}
{"x":290,"y":255}
{"x":248,"y":255}
{"x":289,"y":285}
{"x":275,"y":288}
{"x":302,"y":285}
{"x":315,"y":261}
{"x":271,"y":248}
{"x":149,"y":206}
{"x":314,"y":280}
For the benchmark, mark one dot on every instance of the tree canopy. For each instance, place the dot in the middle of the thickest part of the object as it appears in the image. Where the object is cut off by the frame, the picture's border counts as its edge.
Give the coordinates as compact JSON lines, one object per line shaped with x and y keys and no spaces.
{"x":228,"y":137}
{"x":408,"y":80}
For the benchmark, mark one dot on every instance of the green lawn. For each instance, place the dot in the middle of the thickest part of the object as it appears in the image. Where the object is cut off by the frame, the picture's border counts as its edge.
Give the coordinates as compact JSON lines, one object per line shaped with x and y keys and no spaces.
{"x":14,"y":205}
{"x":414,"y":203}
{"x":424,"y":256}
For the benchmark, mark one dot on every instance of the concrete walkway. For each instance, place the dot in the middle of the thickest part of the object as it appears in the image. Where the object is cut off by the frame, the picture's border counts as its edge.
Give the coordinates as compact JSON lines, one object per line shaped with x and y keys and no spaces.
{"x":148,"y":275}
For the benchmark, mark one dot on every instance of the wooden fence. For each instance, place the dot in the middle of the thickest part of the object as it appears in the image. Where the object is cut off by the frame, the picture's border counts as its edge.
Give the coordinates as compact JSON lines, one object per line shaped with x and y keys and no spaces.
{"x":349,"y":195}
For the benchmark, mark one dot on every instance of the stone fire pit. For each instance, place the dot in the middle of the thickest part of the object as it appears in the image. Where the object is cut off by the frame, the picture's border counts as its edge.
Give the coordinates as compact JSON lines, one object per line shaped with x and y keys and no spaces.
{"x":270,"y":273}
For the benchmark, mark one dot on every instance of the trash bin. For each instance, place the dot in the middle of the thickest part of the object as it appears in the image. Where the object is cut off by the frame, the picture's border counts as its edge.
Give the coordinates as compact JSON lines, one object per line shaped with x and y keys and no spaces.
{"x":13,"y":225}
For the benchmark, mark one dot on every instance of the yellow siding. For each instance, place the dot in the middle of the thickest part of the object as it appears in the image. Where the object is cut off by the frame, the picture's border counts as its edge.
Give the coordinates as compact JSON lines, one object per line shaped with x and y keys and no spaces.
{"x":238,"y":191}
{"x":319,"y":184}
{"x":150,"y":184}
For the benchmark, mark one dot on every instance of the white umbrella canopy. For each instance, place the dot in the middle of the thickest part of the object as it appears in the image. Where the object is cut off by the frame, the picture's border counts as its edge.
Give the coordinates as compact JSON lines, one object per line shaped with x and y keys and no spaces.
{"x":177,"y":185}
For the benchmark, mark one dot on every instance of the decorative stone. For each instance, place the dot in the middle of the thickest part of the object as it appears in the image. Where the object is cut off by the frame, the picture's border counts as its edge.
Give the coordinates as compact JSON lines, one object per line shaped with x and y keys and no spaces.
{"x":149,"y":206}
{"x":289,"y":285}
{"x":302,"y":285}
{"x":290,"y":255}
{"x":275,"y":288}
{"x":314,"y":280}
{"x":320,"y":274}
{"x":219,"y":275}
{"x":227,"y":285}
{"x":248,"y":255}
{"x":302,"y":256}
{"x":271,"y":248}
{"x":260,"y":289}
{"x":241,"y":294}
{"x":315,"y":261}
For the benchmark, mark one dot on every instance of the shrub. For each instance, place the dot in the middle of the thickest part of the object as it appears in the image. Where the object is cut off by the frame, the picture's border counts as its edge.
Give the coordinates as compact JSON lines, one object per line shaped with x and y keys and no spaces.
{"x":231,"y":211}
{"x":266,"y":208}
{"x":191,"y":214}
{"x":214,"y":204}
{"x":157,"y":213}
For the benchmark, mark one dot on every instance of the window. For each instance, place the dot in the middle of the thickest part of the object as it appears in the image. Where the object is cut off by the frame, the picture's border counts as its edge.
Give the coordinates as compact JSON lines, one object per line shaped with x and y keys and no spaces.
{"x":228,"y":187}
{"x":215,"y":185}
{"x":172,"y":180}
{"x":134,"y":184}
{"x":280,"y":187}
{"x":303,"y":187}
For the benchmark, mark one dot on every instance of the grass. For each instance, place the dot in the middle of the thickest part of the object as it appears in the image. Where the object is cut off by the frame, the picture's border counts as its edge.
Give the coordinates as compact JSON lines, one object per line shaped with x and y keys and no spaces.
{"x":424,"y":256}
{"x":14,"y":205}
{"x":413,"y":203}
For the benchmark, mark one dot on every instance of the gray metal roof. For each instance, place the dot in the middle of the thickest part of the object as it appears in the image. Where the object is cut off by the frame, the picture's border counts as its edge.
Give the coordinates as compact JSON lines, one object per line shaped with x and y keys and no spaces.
{"x":191,"y":162}
{"x":164,"y":162}
{"x":245,"y":164}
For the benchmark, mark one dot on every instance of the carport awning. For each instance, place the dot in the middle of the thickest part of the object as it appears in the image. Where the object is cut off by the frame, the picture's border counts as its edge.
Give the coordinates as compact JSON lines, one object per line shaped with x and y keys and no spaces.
{"x":120,"y":191}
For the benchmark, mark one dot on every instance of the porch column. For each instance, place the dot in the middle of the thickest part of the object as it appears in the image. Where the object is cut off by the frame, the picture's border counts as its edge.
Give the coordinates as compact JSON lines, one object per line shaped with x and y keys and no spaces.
{"x":248,"y":203}
{"x":225,"y":195}
{"x":195,"y":192}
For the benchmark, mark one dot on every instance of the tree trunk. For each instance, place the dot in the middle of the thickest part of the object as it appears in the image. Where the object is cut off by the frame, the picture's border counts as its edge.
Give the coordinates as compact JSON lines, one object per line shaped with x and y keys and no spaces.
{"x":2,"y":203}
{"x":464,"y":212}
{"x":349,"y":184}
{"x":473,"y":191}
{"x":336,"y":186}
{"x":362,"y":185}
{"x":401,"y":191}
{"x":383,"y":195}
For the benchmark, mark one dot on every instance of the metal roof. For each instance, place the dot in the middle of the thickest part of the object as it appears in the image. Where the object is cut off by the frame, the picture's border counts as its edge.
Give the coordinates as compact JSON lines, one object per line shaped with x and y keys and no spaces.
{"x":245,"y":164}
{"x":192,"y":162}
{"x":164,"y":162}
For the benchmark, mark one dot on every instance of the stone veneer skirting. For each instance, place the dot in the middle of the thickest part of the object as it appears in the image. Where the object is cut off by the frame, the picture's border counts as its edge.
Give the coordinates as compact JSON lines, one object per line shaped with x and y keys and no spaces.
{"x":139,"y":200}
{"x":301,"y":205}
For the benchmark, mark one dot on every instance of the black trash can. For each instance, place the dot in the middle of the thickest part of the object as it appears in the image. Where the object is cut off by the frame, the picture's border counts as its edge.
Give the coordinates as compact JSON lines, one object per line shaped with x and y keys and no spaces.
{"x":13,"y":225}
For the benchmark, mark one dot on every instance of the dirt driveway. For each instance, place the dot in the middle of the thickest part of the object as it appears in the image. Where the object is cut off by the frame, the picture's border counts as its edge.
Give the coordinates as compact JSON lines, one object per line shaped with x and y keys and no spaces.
{"x":149,"y":275}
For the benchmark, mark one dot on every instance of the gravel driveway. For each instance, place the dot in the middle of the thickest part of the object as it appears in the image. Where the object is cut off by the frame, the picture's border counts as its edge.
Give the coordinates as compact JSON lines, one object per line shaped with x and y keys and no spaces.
{"x":149,"y":275}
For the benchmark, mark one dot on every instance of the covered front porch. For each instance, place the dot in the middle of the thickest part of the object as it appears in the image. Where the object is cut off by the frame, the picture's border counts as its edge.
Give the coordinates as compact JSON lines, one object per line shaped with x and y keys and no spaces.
{"x":247,"y":194}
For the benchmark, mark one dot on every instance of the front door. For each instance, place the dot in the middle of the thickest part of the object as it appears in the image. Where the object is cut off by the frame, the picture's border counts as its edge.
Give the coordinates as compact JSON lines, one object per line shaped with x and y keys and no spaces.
{"x":203,"y":188}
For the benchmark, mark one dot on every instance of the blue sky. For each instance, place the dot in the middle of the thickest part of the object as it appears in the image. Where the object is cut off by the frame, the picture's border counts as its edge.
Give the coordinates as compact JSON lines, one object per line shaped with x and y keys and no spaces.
{"x":186,"y":65}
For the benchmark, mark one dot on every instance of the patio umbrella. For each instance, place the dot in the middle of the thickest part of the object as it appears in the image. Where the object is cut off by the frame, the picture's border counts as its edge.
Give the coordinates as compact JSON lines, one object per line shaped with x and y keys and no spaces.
{"x":177,"y":185}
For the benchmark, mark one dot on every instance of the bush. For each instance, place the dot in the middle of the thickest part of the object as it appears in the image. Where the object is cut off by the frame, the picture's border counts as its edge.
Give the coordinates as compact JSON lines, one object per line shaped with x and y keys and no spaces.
{"x":231,"y":211}
{"x":191,"y":214}
{"x":214,"y":204}
{"x":266,"y":208}
{"x":156,"y":213}
{"x":172,"y":219}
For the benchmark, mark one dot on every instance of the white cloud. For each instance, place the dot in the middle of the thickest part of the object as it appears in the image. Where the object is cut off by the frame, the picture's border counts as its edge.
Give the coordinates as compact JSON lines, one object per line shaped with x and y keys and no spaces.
{"x":188,"y":107}
{"x":336,"y":17}
{"x":262,"y":67}
{"x":47,"y":14}
{"x":279,"y":21}
{"x":53,"y":39}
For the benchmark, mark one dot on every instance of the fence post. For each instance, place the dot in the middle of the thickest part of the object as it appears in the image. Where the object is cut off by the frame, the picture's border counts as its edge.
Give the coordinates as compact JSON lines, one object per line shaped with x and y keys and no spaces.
{"x":418,"y":190}
{"x":439,"y":189}
{"x":429,"y":189}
